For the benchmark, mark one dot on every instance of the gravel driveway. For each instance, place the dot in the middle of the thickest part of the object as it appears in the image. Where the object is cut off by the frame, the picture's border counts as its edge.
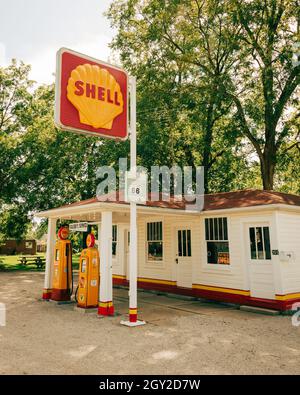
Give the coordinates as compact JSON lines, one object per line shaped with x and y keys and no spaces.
{"x":181,"y":336}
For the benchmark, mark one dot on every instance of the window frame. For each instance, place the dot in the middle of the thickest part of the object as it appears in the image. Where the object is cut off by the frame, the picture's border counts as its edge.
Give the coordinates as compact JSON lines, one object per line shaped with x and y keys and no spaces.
{"x":186,"y":243}
{"x":257,"y":259}
{"x":114,"y":226}
{"x":216,"y":266}
{"x":155,"y":262}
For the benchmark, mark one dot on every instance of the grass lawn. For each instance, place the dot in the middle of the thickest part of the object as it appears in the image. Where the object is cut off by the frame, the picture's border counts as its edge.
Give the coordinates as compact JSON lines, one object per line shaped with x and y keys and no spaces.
{"x":11,"y":262}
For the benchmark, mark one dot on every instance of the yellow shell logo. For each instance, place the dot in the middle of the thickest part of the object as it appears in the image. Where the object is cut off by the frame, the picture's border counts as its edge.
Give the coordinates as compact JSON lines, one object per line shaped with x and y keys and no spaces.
{"x":96,"y":95}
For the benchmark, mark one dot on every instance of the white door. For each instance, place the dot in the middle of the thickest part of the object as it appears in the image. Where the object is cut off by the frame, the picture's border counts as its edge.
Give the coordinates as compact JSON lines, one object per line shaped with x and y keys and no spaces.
{"x":183,"y":257}
{"x":260,"y":266}
{"x":126,"y":252}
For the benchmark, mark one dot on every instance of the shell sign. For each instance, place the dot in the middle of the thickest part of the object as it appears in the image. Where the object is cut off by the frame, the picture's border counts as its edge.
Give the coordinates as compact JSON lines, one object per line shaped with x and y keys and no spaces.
{"x":91,"y":96}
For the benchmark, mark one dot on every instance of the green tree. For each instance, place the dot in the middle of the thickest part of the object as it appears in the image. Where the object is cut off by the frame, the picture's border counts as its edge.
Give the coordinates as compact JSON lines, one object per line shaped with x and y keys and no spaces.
{"x":15,"y":116}
{"x":267,"y":93}
{"x":42,"y":167}
{"x":157,"y":41}
{"x":237,"y":53}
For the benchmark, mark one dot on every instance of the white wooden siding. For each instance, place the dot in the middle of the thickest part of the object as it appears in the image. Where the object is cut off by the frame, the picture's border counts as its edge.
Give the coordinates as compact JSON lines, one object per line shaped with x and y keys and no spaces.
{"x":289,"y":240}
{"x":284,"y":232}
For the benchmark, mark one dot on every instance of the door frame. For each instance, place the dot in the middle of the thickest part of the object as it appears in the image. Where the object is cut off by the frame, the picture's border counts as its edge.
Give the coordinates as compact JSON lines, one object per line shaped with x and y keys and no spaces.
{"x":175,"y":228}
{"x":245,"y":225}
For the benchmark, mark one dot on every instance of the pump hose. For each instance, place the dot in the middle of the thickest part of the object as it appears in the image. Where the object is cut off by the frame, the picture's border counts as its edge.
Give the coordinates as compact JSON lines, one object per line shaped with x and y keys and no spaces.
{"x":76,"y":293}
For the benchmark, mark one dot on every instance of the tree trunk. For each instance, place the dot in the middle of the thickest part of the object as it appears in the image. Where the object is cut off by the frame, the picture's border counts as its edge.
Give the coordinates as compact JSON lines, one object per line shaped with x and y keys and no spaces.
{"x":267,"y":165}
{"x":207,"y":145}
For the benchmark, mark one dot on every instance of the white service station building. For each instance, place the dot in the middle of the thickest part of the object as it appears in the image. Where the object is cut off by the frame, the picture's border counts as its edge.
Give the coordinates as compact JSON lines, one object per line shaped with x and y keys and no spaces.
{"x":244,"y":247}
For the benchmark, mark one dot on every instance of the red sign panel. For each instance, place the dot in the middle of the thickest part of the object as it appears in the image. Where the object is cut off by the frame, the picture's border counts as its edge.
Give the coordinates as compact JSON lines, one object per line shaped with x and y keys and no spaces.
{"x":91,"y":96}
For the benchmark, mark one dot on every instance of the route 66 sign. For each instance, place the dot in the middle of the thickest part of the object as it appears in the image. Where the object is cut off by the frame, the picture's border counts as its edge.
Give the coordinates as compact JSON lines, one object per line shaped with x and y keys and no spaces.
{"x":136,"y":187}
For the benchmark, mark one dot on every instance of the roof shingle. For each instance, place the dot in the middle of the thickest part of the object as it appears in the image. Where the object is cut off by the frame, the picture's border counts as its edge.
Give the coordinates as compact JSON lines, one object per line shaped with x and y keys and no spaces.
{"x":216,"y":201}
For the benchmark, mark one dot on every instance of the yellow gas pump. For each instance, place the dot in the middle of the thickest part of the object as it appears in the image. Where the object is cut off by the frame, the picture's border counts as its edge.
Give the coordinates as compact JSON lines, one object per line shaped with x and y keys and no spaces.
{"x":89,"y":270}
{"x":62,"y":281}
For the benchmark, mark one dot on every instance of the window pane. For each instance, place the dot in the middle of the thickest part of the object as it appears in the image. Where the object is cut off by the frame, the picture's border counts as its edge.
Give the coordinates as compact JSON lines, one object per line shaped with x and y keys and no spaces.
{"x":114,"y":232}
{"x":155,"y":251}
{"x":267,"y":242}
{"x":211,"y":229}
{"x":220,"y":223}
{"x":114,"y":248}
{"x":154,"y":231}
{"x":184,"y":242}
{"x":179,"y":243}
{"x":216,"y":229}
{"x":189,"y":243}
{"x":225,"y":229}
{"x":252,"y":243}
{"x":260,"y":244}
{"x":206,"y":229}
{"x":218,"y":252}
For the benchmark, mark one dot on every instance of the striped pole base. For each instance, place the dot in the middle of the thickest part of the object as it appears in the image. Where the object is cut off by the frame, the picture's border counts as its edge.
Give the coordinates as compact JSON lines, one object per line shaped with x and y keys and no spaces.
{"x":106,"y":308}
{"x":46,"y":294}
{"x":132,"y":315}
{"x":133,"y":321}
{"x":110,"y":309}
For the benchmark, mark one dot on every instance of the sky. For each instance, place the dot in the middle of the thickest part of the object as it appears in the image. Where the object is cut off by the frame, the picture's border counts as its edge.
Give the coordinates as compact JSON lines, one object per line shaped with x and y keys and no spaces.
{"x":33,"y":31}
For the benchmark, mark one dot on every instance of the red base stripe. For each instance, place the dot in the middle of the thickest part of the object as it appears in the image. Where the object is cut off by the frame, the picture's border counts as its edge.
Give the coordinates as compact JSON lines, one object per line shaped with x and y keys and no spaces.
{"x":111,"y":310}
{"x":102,"y":310}
{"x":60,"y":295}
{"x":132,"y":317}
{"x":106,"y":308}
{"x":46,"y":295}
{"x":220,"y":296}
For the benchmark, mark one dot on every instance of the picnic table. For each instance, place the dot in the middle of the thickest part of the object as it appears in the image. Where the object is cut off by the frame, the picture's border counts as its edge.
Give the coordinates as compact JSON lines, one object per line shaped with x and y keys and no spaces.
{"x":36,"y":260}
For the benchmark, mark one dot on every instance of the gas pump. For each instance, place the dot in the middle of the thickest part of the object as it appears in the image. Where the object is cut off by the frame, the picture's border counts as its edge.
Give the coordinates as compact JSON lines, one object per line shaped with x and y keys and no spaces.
{"x":62,"y":281}
{"x":89,"y":271}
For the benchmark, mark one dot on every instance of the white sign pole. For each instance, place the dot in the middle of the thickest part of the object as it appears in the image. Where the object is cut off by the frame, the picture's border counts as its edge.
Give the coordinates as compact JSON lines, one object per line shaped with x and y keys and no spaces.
{"x":133,"y":321}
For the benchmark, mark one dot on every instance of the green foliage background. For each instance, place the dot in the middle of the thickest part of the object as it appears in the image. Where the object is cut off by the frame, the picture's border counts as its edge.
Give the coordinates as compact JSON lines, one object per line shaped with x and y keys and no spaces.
{"x":211,"y":77}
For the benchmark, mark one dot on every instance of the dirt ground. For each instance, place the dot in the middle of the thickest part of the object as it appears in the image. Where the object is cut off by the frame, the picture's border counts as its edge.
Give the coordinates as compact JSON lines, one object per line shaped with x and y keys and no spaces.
{"x":181,"y":336}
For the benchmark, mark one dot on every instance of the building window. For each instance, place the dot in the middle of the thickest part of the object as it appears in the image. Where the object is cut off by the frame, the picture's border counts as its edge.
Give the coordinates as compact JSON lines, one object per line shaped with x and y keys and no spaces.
{"x":216,"y":234}
{"x":114,"y":239}
{"x":184,"y":243}
{"x":260,"y":247}
{"x":28,"y":245}
{"x":155,"y":241}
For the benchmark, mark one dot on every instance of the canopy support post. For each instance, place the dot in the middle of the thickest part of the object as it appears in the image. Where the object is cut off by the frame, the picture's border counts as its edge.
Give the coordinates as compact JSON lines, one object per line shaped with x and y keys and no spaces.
{"x":51,"y":238}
